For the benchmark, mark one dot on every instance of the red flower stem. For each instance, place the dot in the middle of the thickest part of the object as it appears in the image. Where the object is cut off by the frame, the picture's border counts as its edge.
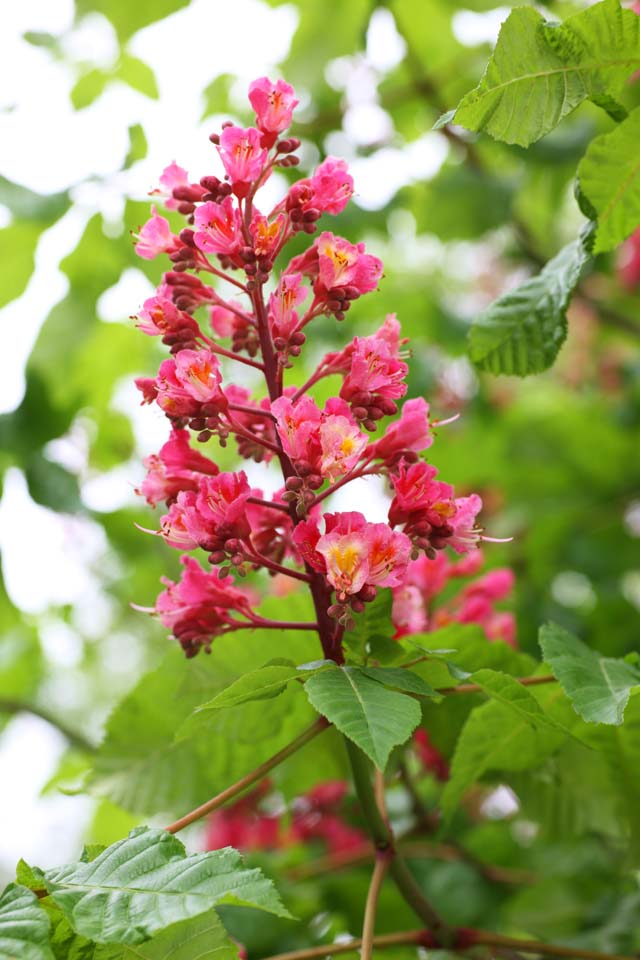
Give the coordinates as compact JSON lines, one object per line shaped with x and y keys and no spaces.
{"x":282,"y":624}
{"x":354,"y":475}
{"x":315,"y":378}
{"x":257,"y":558}
{"x":283,"y":508}
{"x":248,"y":435}
{"x":220,"y":799}
{"x":223,"y":352}
{"x":241,"y":408}
{"x":206,"y":265}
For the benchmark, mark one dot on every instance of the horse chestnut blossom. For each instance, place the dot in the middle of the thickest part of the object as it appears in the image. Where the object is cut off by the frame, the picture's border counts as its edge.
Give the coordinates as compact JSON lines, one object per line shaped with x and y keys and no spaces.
{"x":230,"y":302}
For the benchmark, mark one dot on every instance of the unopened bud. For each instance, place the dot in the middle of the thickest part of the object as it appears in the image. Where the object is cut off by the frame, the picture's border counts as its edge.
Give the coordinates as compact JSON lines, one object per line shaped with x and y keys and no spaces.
{"x":335,"y":610}
{"x":315,"y":481}
{"x":369,"y":425}
{"x":357,"y":605}
{"x":295,"y":351}
{"x":210,"y":183}
{"x":297,"y":338}
{"x":216,"y":557}
{"x":368,"y":593}
{"x":215,"y":138}
{"x":204,"y":436}
{"x":280,"y":343}
{"x":293,"y":483}
{"x":303,"y":468}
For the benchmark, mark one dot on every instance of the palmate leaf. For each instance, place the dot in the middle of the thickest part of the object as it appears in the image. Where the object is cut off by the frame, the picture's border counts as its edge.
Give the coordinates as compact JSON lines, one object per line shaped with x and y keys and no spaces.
{"x":365,"y":711}
{"x":522,"y":332}
{"x":609,"y":178}
{"x":145,"y":883}
{"x":597,"y":686}
{"x":24,"y":926}
{"x":540,"y":72}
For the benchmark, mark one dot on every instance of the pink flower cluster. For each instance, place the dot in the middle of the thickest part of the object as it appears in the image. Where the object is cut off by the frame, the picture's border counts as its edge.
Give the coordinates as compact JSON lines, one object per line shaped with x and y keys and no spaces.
{"x":253,"y":313}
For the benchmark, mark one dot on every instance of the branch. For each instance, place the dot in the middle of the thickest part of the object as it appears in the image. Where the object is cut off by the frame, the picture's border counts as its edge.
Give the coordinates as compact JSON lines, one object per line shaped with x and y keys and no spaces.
{"x":371,"y":907}
{"x":417,"y":937}
{"x":544,"y":949}
{"x":384,"y":842}
{"x":251,"y":778}
{"x":75,"y":739}
{"x":476,"y":688}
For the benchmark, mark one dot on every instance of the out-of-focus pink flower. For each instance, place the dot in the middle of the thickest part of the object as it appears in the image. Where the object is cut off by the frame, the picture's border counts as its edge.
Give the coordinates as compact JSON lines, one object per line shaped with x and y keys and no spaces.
{"x":628,"y":263}
{"x":342,"y":444}
{"x":342,"y":264}
{"x":218,"y":227}
{"x":155,"y":237}
{"x":176,"y":467}
{"x":289,"y":294}
{"x":274,"y":104}
{"x":199,"y":606}
{"x":175,"y":186}
{"x":430,"y":756}
{"x":332,"y":186}
{"x":466,"y":533}
{"x":243,"y":156}
{"x":411,"y":433}
{"x":298,"y":427}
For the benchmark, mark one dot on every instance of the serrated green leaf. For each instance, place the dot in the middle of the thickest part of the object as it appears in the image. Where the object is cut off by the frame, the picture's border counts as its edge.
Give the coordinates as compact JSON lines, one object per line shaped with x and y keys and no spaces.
{"x":492,"y":739}
{"x":374,"y":718}
{"x":24,"y":926}
{"x":597,"y":686}
{"x":401,"y":680}
{"x":145,"y":883}
{"x":540,"y":72}
{"x":507,"y":690}
{"x":522,"y":332}
{"x":203,"y":938}
{"x":609,"y":178}
{"x":263,"y":684}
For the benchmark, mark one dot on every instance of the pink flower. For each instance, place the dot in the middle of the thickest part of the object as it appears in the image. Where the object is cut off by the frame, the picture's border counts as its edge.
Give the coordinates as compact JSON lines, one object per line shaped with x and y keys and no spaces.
{"x":159,"y":317}
{"x":332,"y":186}
{"x":198,"y":607}
{"x":419,"y":496}
{"x":290,"y":293}
{"x":185,"y":290}
{"x":266,"y":235}
{"x":342,"y":264}
{"x":223,"y":320}
{"x":298,"y":427}
{"x":358,"y":553}
{"x":218,"y":227}
{"x":187,"y":385}
{"x":177,"y":188}
{"x":430,"y":756}
{"x":305,"y":537}
{"x":375,"y":369}
{"x":176,"y":467}
{"x":221,"y":505}
{"x":274,"y":104}
{"x":155,"y":237}
{"x":342,"y":444}
{"x":411,"y":433}
{"x":242,"y":156}
{"x":466,"y":533}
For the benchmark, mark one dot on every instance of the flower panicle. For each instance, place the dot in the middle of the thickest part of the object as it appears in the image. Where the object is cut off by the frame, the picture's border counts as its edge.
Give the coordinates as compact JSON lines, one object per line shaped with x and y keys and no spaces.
{"x":229,"y":295}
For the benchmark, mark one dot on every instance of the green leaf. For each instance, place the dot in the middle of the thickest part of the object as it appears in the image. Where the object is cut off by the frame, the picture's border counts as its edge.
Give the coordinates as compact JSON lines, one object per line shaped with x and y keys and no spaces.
{"x":492,"y":739}
{"x":540,"y":72}
{"x":25,"y":204}
{"x":127,"y":17}
{"x":145,"y":883}
{"x":216,"y":95}
{"x":372,"y":632}
{"x":24,"y":926}
{"x":17,"y":250}
{"x":609,"y":178}
{"x":137,"y":146}
{"x":88,"y":88}
{"x":402,"y":680}
{"x":137,"y":75}
{"x":522,"y":332}
{"x":203,"y":938}
{"x":507,"y":690}
{"x":152,"y":772}
{"x":263,"y":684}
{"x":374,"y":718}
{"x":597,"y":686}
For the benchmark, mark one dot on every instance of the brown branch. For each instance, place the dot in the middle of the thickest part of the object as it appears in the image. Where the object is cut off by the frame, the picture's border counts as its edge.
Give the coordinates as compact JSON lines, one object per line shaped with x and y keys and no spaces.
{"x":384,"y":940}
{"x":476,"y":688}
{"x":371,"y":906}
{"x":251,"y":778}
{"x":544,"y":949}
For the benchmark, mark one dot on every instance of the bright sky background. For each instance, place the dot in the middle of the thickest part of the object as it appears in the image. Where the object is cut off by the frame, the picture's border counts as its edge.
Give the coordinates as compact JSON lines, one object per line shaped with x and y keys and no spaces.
{"x":48,"y":146}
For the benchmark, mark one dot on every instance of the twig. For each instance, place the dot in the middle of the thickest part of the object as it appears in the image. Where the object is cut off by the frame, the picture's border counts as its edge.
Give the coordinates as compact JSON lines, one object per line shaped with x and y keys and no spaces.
{"x":371,"y":907}
{"x":251,"y":778}
{"x":75,"y":739}
{"x":329,"y":949}
{"x":476,"y":688}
